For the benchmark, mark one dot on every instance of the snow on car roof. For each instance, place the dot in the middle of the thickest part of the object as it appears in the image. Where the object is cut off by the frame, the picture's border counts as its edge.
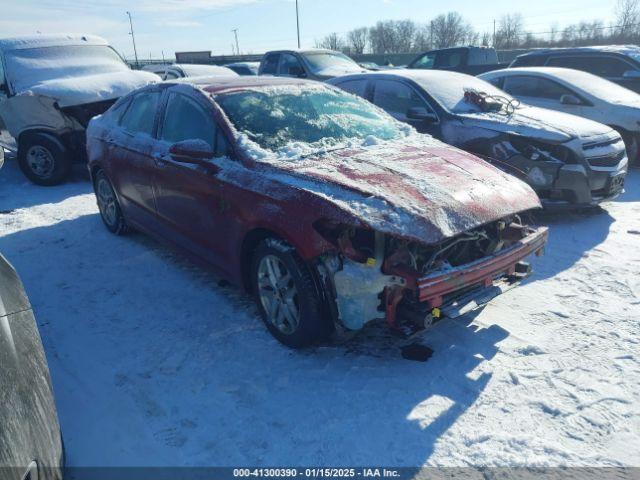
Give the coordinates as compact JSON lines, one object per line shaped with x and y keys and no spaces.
{"x":624,"y":49}
{"x":585,"y":82}
{"x":40,"y":41}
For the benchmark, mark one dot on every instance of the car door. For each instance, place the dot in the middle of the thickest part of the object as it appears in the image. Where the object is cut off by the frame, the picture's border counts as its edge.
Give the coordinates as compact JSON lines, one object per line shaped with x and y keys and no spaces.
{"x":188,"y":196}
{"x":544,"y":93}
{"x":29,"y":428}
{"x":132,"y":165}
{"x":398,"y":98}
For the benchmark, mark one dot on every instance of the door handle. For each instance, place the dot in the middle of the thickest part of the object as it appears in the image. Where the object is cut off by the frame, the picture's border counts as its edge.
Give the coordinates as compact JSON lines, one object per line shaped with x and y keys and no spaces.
{"x":160,"y":158}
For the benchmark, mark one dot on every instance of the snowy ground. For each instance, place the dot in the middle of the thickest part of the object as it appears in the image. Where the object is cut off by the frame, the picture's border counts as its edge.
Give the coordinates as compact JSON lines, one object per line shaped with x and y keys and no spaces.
{"x":154,"y":363}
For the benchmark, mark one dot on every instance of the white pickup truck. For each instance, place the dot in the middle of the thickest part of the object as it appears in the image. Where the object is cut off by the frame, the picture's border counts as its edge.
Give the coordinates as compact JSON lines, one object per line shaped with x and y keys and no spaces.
{"x":50,"y":87}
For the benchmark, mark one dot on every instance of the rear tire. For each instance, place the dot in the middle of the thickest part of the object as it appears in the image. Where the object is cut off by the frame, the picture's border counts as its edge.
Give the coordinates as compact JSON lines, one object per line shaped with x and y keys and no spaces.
{"x":43,"y":159}
{"x":110,"y":210}
{"x":286,"y":295}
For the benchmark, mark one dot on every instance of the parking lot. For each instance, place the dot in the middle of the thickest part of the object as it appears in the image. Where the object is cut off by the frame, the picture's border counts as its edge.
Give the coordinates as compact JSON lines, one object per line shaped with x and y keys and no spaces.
{"x":156,"y":362}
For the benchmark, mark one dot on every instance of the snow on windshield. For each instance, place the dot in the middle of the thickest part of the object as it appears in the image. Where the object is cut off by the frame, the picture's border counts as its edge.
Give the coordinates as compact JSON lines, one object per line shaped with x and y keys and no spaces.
{"x":29,"y":67}
{"x":327,"y":60}
{"x":294,"y":121}
{"x":449,"y":91}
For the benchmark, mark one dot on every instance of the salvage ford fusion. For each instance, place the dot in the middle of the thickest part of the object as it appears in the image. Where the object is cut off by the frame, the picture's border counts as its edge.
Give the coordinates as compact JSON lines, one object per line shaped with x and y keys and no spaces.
{"x":569,"y":161}
{"x":328,"y":210}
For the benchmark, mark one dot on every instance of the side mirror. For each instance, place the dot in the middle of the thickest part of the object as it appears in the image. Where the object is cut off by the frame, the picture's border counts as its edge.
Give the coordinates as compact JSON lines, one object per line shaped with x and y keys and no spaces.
{"x":631,"y":74}
{"x":297,"y":71}
{"x":191,"y":151}
{"x":421,"y":113}
{"x":568,"y":99}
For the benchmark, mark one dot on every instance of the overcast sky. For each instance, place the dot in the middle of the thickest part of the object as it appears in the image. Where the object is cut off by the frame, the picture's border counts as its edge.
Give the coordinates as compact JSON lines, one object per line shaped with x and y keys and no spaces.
{"x":176,"y":25}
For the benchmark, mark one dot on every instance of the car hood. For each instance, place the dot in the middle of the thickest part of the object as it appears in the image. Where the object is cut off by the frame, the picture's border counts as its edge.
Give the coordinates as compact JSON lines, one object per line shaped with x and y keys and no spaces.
{"x":80,"y":90}
{"x":420,"y":189}
{"x":538,"y":123}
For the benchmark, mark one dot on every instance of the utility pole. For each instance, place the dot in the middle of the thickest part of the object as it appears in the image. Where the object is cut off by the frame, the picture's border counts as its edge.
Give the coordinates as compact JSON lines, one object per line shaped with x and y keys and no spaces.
{"x":235,"y":32}
{"x":431,"y":46}
{"x":135,"y":52}
{"x":494,"y":33}
{"x":298,"y":23}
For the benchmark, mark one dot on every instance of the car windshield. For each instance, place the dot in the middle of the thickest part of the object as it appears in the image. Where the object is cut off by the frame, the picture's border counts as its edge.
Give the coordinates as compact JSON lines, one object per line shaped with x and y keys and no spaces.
{"x":277,"y":116}
{"x":321,"y":61}
{"x":32,"y":66}
{"x":449,"y":91}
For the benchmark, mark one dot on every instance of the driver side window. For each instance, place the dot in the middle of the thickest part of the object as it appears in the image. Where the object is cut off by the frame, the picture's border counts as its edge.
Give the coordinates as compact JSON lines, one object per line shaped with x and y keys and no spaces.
{"x":397,"y":98}
{"x":185,"y":119}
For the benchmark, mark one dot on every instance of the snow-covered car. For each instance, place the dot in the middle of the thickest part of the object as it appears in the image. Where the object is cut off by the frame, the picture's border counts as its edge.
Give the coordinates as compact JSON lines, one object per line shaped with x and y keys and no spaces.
{"x":568,"y":160}
{"x":50,"y":87}
{"x":327,"y":209}
{"x":576,"y":92}
{"x":244,"y":68}
{"x":30,"y":439}
{"x":617,"y":63}
{"x":312,"y":64}
{"x":188,"y":70}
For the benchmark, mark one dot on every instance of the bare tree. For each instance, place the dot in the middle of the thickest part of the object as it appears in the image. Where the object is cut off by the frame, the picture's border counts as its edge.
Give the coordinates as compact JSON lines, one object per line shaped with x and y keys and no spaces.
{"x":357,"y":40}
{"x":450,"y":30}
{"x":332,"y":42}
{"x":510,"y":31}
{"x":627,"y":19}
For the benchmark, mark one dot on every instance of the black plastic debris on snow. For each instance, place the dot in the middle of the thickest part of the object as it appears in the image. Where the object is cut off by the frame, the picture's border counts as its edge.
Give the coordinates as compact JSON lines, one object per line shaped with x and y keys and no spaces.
{"x":416,"y":352}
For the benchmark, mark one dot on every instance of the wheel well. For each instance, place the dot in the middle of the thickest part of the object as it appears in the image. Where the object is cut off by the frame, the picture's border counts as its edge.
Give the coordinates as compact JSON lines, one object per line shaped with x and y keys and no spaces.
{"x":23,"y":136}
{"x":249,"y":244}
{"x":94,"y":170}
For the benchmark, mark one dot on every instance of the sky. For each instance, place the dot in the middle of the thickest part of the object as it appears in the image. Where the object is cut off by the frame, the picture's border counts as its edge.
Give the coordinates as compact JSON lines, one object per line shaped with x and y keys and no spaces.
{"x":165,"y":26}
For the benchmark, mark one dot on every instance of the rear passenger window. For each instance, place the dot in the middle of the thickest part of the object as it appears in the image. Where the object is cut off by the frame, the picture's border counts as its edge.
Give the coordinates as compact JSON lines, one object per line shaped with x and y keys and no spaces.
{"x":141,"y":114}
{"x":184,"y":119}
{"x":270,"y":64}
{"x":357,"y":87}
{"x":603,"y":66}
{"x":524,"y":86}
{"x":396,"y":98}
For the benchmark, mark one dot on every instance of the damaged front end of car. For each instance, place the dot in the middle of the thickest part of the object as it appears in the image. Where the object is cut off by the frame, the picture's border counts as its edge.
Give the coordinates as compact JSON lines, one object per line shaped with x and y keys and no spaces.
{"x":411,"y":285}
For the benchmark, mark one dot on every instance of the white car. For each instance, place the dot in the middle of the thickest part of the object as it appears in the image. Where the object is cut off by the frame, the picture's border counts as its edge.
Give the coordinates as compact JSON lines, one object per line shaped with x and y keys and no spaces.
{"x":576,"y":92}
{"x":188,"y":70}
{"x":50,"y":87}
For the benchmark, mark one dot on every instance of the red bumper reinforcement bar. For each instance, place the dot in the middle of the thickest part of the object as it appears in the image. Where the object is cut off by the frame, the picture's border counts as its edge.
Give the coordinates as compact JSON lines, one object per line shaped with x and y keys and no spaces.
{"x":433,"y":288}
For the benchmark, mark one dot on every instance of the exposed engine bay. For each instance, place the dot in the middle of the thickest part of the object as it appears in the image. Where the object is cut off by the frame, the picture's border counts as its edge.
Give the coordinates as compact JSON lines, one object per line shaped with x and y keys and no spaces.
{"x":379,"y":276}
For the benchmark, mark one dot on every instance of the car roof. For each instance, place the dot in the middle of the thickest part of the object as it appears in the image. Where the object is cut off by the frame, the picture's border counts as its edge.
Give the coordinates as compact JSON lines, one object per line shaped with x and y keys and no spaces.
{"x":220,"y":84}
{"x":40,"y":41}
{"x":543,"y":71}
{"x":404,"y":73}
{"x":242,"y":64}
{"x":303,"y":50}
{"x":620,"y":49}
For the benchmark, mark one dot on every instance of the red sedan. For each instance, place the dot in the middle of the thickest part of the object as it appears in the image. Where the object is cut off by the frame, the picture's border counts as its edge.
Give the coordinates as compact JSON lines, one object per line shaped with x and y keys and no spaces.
{"x":329,"y":211}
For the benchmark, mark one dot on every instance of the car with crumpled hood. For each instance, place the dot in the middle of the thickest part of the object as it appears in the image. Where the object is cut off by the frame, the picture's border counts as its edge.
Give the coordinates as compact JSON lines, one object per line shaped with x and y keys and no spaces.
{"x":568,"y":160}
{"x":50,"y":87}
{"x":326,"y":209}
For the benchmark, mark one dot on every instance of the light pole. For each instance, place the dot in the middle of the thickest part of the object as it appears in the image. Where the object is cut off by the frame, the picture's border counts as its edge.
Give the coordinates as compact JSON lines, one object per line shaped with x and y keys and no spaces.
{"x":235,"y":32}
{"x":135,"y":52}
{"x":298,"y":23}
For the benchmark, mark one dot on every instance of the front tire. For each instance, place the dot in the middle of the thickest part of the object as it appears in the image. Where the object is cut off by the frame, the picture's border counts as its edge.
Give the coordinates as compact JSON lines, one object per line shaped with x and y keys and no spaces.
{"x":286,"y":295}
{"x":43,"y":159}
{"x":110,"y":210}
